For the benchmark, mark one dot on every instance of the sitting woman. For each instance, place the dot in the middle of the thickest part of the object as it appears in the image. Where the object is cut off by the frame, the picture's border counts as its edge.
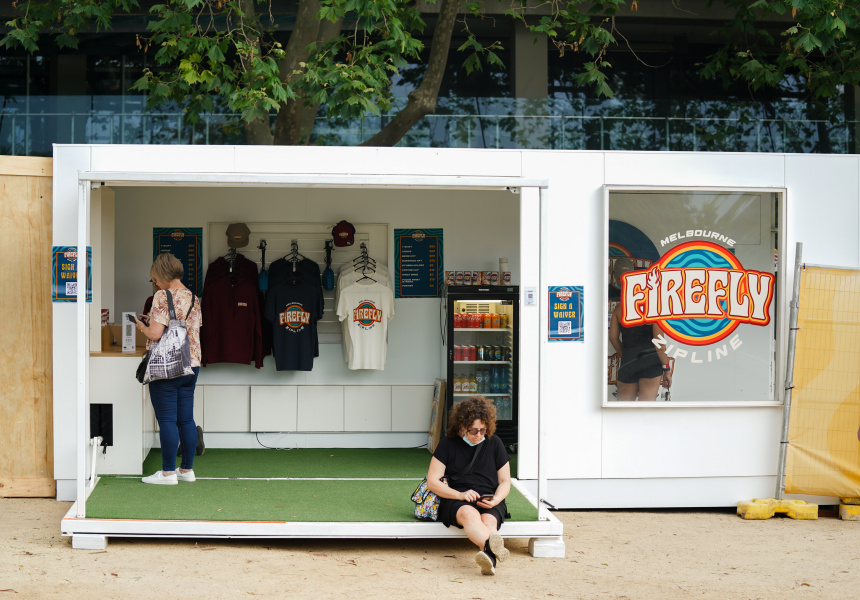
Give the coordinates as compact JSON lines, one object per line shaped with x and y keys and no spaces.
{"x":479,"y":479}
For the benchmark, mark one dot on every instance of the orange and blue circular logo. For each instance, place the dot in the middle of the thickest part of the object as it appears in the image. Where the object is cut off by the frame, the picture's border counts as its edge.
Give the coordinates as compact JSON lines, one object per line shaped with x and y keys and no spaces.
{"x":365,"y":314}
{"x":294,"y":316}
{"x":707,"y":255}
{"x":698,"y":293}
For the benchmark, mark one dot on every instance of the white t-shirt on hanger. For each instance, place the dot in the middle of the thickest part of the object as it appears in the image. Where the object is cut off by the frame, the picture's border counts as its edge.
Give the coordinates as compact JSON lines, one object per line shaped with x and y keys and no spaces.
{"x":364,"y":309}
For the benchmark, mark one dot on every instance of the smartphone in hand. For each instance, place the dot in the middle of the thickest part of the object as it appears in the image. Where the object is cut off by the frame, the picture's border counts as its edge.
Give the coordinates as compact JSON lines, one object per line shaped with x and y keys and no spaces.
{"x":487,"y":497}
{"x":131,"y":318}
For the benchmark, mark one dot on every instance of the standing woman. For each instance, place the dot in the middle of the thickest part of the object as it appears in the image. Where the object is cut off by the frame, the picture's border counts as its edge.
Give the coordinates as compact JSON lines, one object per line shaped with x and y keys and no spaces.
{"x":173,"y":399}
{"x":644,"y":366}
{"x":474,"y":497}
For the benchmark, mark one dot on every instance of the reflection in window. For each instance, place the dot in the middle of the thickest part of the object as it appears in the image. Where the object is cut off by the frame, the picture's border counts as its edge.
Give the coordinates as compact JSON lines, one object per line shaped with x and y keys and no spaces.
{"x":691,"y":292}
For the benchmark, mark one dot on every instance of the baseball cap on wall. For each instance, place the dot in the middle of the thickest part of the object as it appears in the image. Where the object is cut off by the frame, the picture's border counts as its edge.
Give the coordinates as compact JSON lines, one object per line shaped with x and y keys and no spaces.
{"x":343,"y":234}
{"x":237,"y":235}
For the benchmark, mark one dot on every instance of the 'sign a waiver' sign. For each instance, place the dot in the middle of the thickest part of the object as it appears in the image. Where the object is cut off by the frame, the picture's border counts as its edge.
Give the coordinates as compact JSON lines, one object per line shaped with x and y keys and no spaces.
{"x":565,"y":314}
{"x":64,"y":269}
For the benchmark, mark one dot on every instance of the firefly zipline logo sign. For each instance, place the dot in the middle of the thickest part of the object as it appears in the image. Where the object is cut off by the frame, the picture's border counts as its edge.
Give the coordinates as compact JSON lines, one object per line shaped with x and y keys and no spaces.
{"x":366,"y":315}
{"x":294,"y":317}
{"x":698,"y":293}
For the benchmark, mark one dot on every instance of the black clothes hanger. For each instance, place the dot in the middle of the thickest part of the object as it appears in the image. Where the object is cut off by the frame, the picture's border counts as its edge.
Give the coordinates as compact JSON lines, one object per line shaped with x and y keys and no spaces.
{"x":294,"y":256}
{"x":365,"y":264}
{"x":230,"y":257}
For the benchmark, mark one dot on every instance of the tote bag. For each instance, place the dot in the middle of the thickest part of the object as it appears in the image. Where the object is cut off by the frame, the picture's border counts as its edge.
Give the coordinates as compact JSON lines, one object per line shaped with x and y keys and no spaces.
{"x":170,"y":356}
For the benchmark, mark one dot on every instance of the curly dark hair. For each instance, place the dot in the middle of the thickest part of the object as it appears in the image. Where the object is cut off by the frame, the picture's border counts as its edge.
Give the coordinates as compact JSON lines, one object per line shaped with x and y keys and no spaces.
{"x":464,"y":414}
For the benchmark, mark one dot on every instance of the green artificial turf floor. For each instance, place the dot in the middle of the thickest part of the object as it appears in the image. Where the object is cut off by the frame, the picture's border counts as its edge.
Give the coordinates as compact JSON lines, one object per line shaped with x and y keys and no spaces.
{"x":377,"y":488}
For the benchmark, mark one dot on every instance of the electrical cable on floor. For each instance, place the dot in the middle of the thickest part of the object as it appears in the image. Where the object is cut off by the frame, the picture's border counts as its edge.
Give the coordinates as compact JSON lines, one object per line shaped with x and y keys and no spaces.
{"x":257,"y":435}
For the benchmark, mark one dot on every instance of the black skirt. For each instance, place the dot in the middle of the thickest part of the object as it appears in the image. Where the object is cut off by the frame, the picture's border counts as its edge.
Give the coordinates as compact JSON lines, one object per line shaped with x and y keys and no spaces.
{"x":448,"y":511}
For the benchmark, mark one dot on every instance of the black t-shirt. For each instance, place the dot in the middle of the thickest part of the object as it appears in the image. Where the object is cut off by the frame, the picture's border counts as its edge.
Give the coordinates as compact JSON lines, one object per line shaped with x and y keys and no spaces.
{"x":483,"y":477}
{"x":293,"y":310}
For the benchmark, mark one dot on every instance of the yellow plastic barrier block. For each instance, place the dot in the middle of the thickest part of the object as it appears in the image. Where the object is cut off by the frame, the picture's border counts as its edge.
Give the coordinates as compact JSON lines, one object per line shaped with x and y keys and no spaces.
{"x":758,"y":508}
{"x":849,"y":512}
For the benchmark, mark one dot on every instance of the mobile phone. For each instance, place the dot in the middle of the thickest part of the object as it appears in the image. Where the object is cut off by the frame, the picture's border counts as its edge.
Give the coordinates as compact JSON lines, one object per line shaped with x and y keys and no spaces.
{"x":131,"y":318}
{"x":486,"y":497}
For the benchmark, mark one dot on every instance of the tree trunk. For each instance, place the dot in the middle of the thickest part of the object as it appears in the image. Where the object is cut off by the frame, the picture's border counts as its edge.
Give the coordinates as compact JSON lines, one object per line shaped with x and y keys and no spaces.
{"x":422,"y":100}
{"x":307,"y":30}
{"x":258,"y":132}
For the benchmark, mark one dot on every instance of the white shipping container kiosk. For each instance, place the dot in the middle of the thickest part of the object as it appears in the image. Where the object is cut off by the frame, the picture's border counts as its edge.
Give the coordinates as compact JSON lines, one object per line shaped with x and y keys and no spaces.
{"x":561,"y":218}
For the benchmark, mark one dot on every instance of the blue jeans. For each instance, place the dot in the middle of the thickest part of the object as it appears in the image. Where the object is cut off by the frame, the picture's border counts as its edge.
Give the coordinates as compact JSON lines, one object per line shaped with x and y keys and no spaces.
{"x":173,"y":401}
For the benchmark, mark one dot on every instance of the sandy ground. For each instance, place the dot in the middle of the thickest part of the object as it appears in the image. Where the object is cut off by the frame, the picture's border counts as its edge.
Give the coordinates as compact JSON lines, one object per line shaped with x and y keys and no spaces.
{"x":612,"y":554}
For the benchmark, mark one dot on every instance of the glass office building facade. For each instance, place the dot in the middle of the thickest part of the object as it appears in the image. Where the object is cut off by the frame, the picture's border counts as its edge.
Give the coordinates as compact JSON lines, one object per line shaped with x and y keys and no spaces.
{"x":660,"y":104}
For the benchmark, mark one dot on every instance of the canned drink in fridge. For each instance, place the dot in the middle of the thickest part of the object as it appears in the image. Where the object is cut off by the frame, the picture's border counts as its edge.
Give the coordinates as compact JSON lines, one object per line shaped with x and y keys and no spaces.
{"x":497,"y":353}
{"x":496,"y":321}
{"x":482,"y":353}
{"x":503,"y":321}
{"x":487,"y":321}
{"x":473,"y":353}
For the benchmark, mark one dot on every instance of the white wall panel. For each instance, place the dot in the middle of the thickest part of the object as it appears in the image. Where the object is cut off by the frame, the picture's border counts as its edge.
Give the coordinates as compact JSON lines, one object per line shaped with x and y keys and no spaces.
{"x":163,"y":159}
{"x":320,"y":408}
{"x":379,"y":161}
{"x":823,"y":208}
{"x":574,"y":370}
{"x":367,"y":408}
{"x":691,"y":442}
{"x":694,"y":169}
{"x":530,"y":331}
{"x":410,"y":407}
{"x":228,"y":408}
{"x":112,"y":381}
{"x":68,"y":160}
{"x":274,"y":407}
{"x":683,"y":492}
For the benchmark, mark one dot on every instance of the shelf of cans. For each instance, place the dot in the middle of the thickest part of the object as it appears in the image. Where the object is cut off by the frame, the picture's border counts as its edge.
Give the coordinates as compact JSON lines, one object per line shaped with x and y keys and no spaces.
{"x":482,"y":353}
{"x":477,"y":278}
{"x":480,"y":321}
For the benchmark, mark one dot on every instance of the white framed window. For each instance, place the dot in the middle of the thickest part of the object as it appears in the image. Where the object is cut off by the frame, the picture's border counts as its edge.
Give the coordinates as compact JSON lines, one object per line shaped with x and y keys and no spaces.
{"x":692,"y":280}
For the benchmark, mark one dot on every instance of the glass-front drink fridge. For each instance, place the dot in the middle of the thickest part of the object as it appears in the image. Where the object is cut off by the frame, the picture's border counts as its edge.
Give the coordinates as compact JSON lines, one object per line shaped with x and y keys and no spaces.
{"x":482,"y":349}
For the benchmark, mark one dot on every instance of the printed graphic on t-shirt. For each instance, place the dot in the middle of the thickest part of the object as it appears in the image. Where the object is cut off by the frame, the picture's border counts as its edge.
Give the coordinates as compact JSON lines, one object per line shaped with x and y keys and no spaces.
{"x":294,"y":317}
{"x":366,"y":315}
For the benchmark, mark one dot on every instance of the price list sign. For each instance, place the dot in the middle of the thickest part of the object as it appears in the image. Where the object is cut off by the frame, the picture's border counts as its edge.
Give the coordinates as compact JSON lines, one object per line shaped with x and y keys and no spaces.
{"x":184,"y":244}
{"x":418,"y":263}
{"x":64,"y":265}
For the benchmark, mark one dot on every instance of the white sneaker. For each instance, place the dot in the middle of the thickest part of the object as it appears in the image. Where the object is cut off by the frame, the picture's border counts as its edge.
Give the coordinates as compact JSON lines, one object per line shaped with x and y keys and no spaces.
{"x":486,"y":562}
{"x":160,"y":478}
{"x":187,"y":476}
{"x":497,"y":546}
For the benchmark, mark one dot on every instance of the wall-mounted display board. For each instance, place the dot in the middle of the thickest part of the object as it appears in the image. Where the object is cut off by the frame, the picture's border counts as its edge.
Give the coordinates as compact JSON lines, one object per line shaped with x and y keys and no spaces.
{"x":418,"y":263}
{"x":185,"y":244}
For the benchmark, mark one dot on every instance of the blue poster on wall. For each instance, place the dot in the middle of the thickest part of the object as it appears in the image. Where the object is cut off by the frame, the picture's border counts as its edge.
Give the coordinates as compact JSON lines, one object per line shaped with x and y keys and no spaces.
{"x":185,"y":244}
{"x":565,"y":314}
{"x":64,"y":267}
{"x":417,"y":263}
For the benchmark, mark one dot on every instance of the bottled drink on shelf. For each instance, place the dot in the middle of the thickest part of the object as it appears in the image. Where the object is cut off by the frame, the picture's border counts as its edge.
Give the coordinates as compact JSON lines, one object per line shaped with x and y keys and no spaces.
{"x":458,"y":383}
{"x":473,"y":384}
